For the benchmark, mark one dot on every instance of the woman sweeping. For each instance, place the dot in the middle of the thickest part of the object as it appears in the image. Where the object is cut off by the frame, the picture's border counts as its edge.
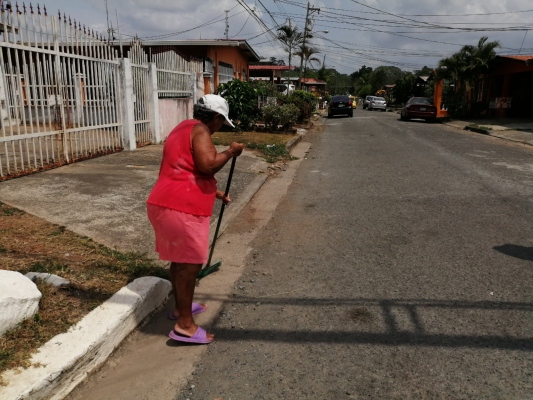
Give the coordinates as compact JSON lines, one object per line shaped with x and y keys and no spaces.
{"x":181,"y":203}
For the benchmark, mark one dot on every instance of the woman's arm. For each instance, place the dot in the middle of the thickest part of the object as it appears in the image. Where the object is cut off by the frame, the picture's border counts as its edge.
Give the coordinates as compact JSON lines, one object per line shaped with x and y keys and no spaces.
{"x":205,"y":154}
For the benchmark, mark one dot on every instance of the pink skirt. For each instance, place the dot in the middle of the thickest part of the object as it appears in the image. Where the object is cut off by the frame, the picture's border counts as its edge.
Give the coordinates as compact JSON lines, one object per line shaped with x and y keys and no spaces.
{"x":179,"y":237}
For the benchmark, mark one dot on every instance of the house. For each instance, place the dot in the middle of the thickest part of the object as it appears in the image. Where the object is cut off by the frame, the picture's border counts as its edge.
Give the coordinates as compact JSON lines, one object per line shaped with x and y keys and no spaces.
{"x":271,"y":73}
{"x":194,"y":67}
{"x":223,"y":59}
{"x":314,"y":85}
{"x":508,"y":88}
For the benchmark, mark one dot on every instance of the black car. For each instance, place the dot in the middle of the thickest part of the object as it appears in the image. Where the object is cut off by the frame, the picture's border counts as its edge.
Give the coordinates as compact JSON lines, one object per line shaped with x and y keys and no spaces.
{"x":340,"y":105}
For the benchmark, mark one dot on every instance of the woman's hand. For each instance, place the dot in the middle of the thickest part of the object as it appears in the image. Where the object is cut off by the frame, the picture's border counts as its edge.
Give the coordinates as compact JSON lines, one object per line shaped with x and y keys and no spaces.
{"x":236,"y":148}
{"x":225,"y":199}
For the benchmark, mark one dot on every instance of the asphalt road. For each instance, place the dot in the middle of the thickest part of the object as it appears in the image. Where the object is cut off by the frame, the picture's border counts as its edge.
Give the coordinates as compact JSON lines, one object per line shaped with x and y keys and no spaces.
{"x":398,"y":266}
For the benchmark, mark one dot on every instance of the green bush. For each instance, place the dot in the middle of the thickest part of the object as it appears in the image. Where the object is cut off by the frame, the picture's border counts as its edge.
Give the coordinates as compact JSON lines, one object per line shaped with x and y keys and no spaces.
{"x":265,"y":88}
{"x":242,"y":100}
{"x":305,"y":102}
{"x":285,"y":115}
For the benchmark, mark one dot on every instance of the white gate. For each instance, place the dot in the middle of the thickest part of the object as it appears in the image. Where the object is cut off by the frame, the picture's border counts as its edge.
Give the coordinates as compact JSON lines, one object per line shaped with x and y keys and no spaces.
{"x":59,"y":93}
{"x":141,"y":94}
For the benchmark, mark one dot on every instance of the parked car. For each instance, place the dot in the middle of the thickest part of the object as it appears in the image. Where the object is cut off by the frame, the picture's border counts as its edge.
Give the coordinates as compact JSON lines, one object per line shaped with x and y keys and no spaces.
{"x":285,"y":88}
{"x":367,"y":101}
{"x":354,"y":101}
{"x":340,"y":105}
{"x":377,"y":103}
{"x":419,"y":107}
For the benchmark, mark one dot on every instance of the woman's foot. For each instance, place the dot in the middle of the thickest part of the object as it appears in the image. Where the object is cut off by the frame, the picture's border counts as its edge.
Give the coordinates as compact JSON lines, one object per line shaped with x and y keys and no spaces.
{"x":193,"y":331}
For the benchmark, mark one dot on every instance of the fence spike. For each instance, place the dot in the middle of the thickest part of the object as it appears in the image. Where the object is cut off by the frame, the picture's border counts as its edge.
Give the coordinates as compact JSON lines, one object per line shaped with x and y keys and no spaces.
{"x":69,"y":21}
{"x":45,"y":12}
{"x":17,"y":6}
{"x":31,"y":8}
{"x":59,"y":13}
{"x":38,"y":9}
{"x":24,"y":7}
{"x":64,"y":18}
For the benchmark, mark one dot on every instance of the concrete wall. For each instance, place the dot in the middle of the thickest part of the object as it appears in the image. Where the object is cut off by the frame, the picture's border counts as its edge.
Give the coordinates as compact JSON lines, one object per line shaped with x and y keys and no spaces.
{"x":172,"y":112}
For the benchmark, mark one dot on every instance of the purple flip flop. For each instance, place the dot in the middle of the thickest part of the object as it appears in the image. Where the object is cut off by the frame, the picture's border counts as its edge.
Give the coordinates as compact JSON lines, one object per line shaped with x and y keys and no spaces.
{"x":196,"y":309}
{"x":199,"y":337}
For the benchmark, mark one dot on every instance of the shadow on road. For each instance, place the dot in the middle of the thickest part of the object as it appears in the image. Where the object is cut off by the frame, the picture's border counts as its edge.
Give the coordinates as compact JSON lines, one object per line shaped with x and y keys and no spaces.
{"x":515,"y":250}
{"x":386,"y":311}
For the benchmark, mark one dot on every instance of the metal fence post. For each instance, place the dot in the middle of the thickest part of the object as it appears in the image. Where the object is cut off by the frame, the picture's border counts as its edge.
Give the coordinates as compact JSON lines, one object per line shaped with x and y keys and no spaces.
{"x":128,"y":105}
{"x":154,"y":100}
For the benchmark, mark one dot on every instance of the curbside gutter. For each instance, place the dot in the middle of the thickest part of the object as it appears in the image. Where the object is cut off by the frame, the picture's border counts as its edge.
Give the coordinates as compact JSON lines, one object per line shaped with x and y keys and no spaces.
{"x":66,"y":360}
{"x":477,"y":130}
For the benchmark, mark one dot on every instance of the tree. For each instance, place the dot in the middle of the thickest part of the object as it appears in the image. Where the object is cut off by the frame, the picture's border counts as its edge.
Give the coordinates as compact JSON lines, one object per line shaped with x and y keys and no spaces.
{"x":290,"y":38}
{"x":377,"y":79}
{"x":308,"y":56}
{"x":363,"y":71}
{"x":463,"y":70}
{"x":404,"y":88}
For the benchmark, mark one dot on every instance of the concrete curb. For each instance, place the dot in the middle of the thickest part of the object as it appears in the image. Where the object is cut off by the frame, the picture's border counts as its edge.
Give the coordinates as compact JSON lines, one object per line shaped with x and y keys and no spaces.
{"x":66,"y":360}
{"x":293,"y":142}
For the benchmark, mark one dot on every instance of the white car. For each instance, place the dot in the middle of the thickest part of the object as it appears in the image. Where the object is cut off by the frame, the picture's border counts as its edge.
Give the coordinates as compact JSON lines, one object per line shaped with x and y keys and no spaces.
{"x":377,"y":103}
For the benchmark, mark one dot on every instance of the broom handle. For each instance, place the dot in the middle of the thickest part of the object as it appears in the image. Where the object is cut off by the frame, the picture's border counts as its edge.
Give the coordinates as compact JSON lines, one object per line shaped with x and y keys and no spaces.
{"x":228,"y":184}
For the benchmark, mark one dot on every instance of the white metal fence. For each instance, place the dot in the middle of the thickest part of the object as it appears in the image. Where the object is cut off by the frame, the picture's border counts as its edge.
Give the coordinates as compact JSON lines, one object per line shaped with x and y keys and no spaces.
{"x":66,"y":96}
{"x":174,"y":73}
{"x":59,"y":92}
{"x":143,"y":112}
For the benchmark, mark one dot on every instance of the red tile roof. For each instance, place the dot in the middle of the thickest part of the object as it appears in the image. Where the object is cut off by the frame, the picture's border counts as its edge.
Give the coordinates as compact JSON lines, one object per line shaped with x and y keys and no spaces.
{"x":313,"y":80}
{"x":518,"y":57}
{"x":271,"y":67}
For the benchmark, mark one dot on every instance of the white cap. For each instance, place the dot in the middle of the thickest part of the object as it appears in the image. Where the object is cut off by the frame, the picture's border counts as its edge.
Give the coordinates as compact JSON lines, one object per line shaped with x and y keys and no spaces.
{"x":217,"y":104}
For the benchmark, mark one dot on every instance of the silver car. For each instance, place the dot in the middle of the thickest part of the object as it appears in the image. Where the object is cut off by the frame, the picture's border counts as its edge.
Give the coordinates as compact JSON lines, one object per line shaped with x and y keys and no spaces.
{"x":367,"y":101}
{"x":377,"y":103}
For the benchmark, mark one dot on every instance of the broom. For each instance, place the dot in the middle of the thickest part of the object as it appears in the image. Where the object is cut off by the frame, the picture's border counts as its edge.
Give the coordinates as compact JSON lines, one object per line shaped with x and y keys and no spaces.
{"x":209,"y":269}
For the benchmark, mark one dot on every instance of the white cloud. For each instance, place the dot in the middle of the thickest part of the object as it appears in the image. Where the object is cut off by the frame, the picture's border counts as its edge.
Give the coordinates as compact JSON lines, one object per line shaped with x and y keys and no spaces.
{"x":347,"y":45}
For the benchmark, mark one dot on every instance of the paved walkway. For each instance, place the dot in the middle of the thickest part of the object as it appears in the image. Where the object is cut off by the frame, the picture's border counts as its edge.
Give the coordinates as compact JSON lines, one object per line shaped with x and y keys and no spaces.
{"x":517,"y":130}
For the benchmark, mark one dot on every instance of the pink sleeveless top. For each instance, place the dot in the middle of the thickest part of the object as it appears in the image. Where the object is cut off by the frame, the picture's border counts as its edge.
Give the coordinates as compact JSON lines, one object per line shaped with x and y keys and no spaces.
{"x":181,"y":185}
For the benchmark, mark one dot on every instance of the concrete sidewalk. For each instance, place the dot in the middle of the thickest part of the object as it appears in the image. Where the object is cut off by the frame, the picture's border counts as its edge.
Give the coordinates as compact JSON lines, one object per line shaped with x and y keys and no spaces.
{"x":511,"y":129}
{"x":104,"y":199}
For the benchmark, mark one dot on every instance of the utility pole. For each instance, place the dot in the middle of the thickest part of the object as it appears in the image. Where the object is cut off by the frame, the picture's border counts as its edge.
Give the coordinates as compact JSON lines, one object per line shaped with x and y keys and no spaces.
{"x":310,"y":10}
{"x":227,"y":24}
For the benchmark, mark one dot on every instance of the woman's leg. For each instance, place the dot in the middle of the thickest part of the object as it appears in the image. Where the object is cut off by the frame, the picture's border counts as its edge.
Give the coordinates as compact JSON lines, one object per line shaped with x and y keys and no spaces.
{"x":183,"y":278}
{"x":175,"y":312}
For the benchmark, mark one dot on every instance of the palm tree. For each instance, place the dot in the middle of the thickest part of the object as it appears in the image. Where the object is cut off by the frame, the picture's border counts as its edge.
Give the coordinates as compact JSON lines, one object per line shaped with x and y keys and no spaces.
{"x":290,"y":37}
{"x":465,"y":67}
{"x":308,"y":56}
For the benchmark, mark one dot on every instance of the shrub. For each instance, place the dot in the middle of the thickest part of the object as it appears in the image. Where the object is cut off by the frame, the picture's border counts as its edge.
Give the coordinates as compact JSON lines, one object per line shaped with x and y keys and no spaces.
{"x":285,"y":115}
{"x":265,"y":88}
{"x":305,"y":102}
{"x":242,"y":100}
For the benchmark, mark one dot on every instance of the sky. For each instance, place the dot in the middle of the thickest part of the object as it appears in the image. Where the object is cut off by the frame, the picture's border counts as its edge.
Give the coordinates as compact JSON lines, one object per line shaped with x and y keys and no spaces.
{"x":408,"y":34}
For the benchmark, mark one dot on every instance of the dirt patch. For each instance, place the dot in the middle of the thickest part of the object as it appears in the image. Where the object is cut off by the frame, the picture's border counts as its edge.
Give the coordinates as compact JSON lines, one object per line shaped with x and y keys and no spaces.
{"x":96,"y":272}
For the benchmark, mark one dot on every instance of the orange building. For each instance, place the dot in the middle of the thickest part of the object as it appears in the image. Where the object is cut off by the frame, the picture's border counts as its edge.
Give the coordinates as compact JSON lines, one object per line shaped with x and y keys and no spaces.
{"x":506,"y":91}
{"x":510,"y":86}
